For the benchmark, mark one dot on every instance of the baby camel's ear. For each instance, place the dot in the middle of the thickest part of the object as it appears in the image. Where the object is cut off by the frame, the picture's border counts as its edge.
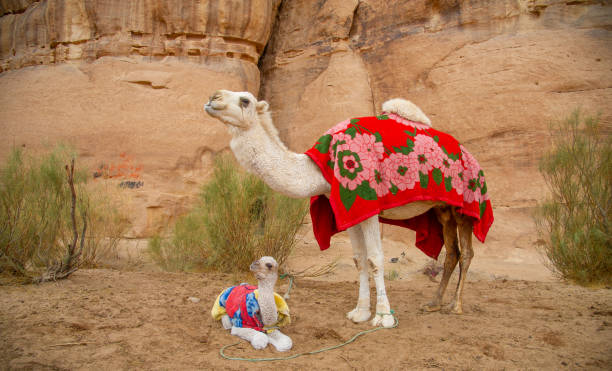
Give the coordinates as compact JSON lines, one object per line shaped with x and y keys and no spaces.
{"x":262,"y":106}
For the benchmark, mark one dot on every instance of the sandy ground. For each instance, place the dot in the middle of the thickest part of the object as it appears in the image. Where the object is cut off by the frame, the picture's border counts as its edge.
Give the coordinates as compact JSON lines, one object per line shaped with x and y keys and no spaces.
{"x":517,"y":316}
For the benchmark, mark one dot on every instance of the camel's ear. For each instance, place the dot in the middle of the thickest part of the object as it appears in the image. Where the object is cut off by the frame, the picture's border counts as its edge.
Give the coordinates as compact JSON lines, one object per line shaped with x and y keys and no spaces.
{"x":262,"y":106}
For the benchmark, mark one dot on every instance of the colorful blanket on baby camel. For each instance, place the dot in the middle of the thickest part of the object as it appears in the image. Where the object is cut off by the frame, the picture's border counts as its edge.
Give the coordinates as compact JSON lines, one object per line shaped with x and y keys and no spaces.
{"x":377,"y":163}
{"x":241,"y":304}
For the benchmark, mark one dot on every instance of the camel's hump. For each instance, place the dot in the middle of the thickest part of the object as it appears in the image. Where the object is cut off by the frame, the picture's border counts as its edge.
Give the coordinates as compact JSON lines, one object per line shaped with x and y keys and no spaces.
{"x":406,"y":109}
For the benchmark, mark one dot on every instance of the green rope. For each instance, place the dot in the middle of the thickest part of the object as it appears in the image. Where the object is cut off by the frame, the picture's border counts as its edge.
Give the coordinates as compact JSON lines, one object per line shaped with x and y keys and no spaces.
{"x":286,"y":296}
{"x":222,"y":353}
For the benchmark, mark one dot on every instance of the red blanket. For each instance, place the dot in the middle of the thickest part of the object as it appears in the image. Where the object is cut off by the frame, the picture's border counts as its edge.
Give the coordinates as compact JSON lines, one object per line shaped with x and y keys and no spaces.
{"x":381,"y":162}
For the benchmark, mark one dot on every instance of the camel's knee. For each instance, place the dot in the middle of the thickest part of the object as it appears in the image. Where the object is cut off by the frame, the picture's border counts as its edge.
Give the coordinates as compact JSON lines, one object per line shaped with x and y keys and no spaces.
{"x":373,"y":266}
{"x":375,"y":262}
{"x":452,"y":250}
{"x":467,"y":253}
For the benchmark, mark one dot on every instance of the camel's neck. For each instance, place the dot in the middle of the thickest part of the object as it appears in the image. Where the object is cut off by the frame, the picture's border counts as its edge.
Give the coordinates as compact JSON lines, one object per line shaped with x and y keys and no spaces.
{"x":261,"y":152}
{"x":267,"y":305}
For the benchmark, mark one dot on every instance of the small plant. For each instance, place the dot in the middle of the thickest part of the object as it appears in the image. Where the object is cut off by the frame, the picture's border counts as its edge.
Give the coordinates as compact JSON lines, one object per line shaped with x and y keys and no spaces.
{"x":237,"y":220}
{"x":43,"y":206}
{"x":575,"y":221}
{"x":392,"y":275}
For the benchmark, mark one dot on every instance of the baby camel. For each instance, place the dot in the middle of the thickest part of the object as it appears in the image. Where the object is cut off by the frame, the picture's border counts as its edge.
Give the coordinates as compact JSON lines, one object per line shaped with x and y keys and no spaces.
{"x":254,"y":313}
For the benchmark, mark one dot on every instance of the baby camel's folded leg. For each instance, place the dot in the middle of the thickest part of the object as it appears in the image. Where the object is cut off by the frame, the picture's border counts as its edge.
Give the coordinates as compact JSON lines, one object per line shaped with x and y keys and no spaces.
{"x":281,"y":342}
{"x":258,"y":339}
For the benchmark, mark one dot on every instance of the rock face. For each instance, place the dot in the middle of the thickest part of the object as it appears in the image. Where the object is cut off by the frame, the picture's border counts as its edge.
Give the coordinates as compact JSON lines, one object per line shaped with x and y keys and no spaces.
{"x":54,"y":31}
{"x":491,"y":73}
{"x":129,"y":96}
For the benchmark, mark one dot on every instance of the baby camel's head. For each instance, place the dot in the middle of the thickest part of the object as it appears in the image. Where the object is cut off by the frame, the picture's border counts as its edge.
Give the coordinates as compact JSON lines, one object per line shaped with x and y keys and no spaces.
{"x":266,"y":268}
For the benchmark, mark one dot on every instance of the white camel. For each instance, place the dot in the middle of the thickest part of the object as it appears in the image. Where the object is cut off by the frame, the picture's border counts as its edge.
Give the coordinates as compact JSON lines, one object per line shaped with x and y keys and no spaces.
{"x":258,"y":148}
{"x":260,"y":328}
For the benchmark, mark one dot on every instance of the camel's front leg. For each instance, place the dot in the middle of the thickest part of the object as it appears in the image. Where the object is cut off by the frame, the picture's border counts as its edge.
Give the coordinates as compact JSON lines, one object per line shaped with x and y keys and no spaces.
{"x":361,"y":312}
{"x":258,"y":339}
{"x":375,"y":257}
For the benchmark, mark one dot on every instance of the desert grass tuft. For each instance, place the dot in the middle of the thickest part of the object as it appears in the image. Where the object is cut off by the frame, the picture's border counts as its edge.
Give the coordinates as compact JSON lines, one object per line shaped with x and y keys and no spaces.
{"x":35,"y":224}
{"x":237,"y":219}
{"x":575,"y":220}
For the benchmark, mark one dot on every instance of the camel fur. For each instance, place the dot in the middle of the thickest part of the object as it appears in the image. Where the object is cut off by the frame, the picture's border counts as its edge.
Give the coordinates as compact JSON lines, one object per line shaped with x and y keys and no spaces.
{"x":258,"y":149}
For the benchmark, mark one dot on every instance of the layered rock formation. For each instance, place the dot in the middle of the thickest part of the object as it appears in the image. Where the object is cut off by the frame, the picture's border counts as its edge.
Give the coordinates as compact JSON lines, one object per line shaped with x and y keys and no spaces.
{"x":125,"y":82}
{"x":51,"y":31}
{"x":129,"y":78}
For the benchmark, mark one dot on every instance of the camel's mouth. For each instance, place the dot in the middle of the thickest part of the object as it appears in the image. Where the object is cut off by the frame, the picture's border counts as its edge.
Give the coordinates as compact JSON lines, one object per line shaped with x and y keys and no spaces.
{"x":213,"y":108}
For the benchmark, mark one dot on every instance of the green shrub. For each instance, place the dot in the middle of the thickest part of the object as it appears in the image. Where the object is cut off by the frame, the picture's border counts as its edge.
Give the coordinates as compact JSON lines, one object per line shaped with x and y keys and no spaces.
{"x":575,"y":220}
{"x":35,"y":222}
{"x":237,"y":220}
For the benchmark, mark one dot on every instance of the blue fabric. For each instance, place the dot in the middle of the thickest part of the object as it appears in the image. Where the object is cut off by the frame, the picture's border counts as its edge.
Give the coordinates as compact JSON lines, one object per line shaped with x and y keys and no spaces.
{"x":224,"y":295}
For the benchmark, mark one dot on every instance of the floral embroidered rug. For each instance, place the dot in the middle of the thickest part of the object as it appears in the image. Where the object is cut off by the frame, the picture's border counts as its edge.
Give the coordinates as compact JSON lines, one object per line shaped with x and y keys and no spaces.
{"x":381,"y":162}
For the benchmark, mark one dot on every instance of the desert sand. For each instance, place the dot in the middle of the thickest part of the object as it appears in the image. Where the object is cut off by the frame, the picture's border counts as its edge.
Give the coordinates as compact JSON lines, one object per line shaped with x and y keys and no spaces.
{"x":139,"y":318}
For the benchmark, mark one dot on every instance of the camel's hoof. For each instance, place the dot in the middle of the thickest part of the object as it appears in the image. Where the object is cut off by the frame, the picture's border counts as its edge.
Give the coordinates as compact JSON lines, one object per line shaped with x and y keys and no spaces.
{"x":456,"y":309}
{"x":359,"y":315}
{"x":431,"y":307}
{"x":385,"y":320}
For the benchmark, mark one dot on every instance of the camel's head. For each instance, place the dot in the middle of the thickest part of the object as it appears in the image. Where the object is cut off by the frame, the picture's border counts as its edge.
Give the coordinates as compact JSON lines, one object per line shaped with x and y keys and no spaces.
{"x":265,"y":268}
{"x":238,"y":109}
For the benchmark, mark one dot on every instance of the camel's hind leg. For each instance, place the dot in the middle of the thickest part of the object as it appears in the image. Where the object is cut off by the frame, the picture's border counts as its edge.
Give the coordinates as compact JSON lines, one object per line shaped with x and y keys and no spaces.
{"x":449,"y":229}
{"x":464,"y":227}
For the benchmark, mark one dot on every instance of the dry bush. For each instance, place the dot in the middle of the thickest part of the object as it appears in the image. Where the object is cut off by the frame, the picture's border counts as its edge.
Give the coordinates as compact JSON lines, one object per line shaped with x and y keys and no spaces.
{"x":35,"y":215}
{"x":575,"y":221}
{"x":237,"y":220}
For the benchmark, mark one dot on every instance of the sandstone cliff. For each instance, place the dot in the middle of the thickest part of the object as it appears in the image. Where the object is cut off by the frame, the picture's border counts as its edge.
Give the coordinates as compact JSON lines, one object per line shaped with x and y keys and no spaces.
{"x":125,"y":81}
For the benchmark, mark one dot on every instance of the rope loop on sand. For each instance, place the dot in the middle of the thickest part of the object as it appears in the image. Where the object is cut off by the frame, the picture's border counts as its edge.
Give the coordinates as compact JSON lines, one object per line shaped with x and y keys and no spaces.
{"x":222,"y":351}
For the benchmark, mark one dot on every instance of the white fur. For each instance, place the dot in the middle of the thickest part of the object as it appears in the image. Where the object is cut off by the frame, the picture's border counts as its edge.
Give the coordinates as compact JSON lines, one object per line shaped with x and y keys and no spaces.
{"x":256,"y":145}
{"x":406,"y":109}
{"x":258,"y":339}
{"x":258,"y":149}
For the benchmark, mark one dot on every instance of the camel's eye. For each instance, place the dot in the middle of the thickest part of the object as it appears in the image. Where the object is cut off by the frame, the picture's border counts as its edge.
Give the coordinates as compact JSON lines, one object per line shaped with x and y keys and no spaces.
{"x":269,"y":265}
{"x":244,"y":102}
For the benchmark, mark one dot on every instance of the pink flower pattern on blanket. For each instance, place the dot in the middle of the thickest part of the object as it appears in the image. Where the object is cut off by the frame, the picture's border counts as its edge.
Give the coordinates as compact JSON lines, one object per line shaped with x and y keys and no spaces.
{"x":429,"y":154}
{"x":358,"y":159}
{"x":364,"y":166}
{"x":380,"y":162}
{"x":473,"y":179}
{"x":401,"y":170}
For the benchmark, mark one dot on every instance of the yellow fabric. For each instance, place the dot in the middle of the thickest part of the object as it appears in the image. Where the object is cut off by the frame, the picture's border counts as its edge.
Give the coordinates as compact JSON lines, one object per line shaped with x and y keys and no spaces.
{"x":217,"y":310}
{"x":284,"y":317}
